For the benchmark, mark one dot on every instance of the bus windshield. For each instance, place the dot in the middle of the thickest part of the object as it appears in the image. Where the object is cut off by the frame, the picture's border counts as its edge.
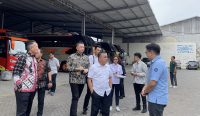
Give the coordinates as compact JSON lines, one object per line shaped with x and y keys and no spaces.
{"x":19,"y":46}
{"x":2,"y":48}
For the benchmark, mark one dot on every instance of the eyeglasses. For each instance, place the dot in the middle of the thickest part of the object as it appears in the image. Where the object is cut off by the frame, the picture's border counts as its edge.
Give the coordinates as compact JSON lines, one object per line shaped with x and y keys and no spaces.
{"x":115,"y":59}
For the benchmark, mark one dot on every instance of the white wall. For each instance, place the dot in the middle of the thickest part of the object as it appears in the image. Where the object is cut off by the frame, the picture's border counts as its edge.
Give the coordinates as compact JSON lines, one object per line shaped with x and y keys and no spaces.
{"x":167,"y":50}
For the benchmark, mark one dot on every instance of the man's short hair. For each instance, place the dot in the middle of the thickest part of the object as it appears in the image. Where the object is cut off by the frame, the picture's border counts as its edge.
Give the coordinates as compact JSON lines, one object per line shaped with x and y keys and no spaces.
{"x":153,"y":47}
{"x":100,"y":53}
{"x":138,"y":55}
{"x":78,"y":43}
{"x":29,"y":43}
{"x":173,"y":57}
{"x":51,"y":53}
{"x":97,"y":46}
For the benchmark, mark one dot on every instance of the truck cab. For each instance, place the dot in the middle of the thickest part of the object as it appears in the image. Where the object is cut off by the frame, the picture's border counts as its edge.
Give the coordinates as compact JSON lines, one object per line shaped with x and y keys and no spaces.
{"x":9,"y":47}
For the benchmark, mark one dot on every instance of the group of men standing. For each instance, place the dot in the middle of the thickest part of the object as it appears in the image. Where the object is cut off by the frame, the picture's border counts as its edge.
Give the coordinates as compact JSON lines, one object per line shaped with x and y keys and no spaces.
{"x":32,"y":73}
{"x":152,"y":83}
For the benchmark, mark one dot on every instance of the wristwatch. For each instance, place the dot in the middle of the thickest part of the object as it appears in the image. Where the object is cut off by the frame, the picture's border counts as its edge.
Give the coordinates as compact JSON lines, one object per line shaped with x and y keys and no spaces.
{"x":50,"y":81}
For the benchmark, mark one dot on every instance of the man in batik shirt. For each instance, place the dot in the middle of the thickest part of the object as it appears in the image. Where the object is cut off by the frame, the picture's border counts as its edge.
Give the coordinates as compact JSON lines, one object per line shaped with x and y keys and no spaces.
{"x":77,"y":65}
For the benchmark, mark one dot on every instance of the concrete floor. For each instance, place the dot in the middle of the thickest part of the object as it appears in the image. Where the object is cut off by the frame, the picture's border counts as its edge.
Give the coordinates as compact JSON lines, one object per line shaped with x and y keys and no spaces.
{"x":183,"y":101}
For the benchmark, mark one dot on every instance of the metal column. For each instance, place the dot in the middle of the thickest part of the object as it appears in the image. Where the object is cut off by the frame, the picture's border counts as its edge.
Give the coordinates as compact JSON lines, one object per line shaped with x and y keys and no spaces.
{"x":2,"y":19}
{"x":113,"y":36}
{"x":128,"y":49}
{"x":83,"y":26}
{"x":52,"y":30}
{"x":32,"y":27}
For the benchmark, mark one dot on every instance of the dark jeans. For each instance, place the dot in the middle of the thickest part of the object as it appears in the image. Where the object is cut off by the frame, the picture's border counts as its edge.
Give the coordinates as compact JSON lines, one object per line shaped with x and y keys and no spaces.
{"x":122,"y":93}
{"x":87,"y":99}
{"x":173,"y":79}
{"x":116,"y":88}
{"x":53,"y":88}
{"x":156,"y":109}
{"x":41,"y":95}
{"x":99,"y":102}
{"x":76,"y":90}
{"x":24,"y":102}
{"x":138,"y":89}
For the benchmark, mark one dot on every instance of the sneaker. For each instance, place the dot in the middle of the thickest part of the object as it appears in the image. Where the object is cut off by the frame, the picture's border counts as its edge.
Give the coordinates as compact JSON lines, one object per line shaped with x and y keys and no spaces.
{"x":49,"y":92}
{"x":170,"y":86}
{"x":174,"y":86}
{"x":110,"y":108}
{"x":117,"y":109}
{"x":52,"y":93}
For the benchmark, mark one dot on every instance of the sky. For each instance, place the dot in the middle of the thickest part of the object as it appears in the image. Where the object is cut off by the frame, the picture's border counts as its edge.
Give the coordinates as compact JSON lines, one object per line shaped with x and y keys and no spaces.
{"x":169,"y":11}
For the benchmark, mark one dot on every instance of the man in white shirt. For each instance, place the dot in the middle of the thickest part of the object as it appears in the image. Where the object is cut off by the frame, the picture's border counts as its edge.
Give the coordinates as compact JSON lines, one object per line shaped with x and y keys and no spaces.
{"x":100,"y":83}
{"x":139,"y":71}
{"x":93,"y":59}
{"x":54,"y":66}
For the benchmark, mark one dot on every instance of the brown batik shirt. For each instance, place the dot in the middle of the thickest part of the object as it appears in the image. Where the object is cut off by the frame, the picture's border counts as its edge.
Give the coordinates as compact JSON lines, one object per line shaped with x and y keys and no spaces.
{"x":43,"y":70}
{"x":75,"y":61}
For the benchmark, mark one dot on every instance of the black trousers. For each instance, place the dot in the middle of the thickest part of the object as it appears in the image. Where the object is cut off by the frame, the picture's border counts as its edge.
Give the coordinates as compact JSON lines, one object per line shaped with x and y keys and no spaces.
{"x":53,"y":88}
{"x":87,"y":99}
{"x":138,"y":89}
{"x":156,"y":109}
{"x":116,"y":88}
{"x":24,"y":101}
{"x":41,"y":95}
{"x":173,"y":79}
{"x":76,"y":90}
{"x":122,"y":92}
{"x":99,"y":102}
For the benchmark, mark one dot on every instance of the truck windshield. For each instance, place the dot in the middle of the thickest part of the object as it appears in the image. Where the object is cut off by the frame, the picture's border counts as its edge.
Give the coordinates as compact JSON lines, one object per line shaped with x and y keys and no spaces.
{"x":2,"y":48}
{"x":19,"y":46}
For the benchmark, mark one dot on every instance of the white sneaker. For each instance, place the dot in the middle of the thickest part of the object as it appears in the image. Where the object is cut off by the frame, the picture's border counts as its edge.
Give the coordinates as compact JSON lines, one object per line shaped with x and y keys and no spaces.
{"x":117,"y":108}
{"x":170,"y":86}
{"x":110,"y":108}
{"x":174,"y":87}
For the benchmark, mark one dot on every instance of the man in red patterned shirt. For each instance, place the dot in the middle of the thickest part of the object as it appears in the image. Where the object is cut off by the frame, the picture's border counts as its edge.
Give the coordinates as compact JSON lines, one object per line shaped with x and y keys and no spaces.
{"x":25,"y":79}
{"x":44,"y":79}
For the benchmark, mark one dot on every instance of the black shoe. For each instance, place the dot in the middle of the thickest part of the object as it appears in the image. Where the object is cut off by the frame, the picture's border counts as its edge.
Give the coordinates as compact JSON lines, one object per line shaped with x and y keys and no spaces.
{"x":84,"y":112}
{"x":121,"y":97}
{"x":136,"y":108}
{"x":144,"y":111}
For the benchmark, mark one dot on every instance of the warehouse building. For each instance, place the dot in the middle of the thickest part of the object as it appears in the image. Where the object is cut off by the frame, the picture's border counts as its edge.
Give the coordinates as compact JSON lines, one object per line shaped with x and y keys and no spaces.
{"x":180,"y":39}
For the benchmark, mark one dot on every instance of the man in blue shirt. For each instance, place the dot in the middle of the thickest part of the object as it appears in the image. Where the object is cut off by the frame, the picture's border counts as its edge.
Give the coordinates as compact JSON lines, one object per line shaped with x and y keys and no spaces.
{"x":157,"y":84}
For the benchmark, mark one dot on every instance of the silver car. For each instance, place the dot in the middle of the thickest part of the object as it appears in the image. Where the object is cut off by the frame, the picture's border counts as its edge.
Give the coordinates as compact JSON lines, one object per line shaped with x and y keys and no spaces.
{"x":192,"y":65}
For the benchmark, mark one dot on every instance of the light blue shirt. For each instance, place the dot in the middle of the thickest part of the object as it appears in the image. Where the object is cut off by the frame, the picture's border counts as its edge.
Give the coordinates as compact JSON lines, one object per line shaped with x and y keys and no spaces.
{"x":159,"y":73}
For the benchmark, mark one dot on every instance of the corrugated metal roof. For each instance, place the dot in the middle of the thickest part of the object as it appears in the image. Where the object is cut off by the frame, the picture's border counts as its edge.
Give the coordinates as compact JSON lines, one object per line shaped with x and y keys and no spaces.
{"x":128,"y":17}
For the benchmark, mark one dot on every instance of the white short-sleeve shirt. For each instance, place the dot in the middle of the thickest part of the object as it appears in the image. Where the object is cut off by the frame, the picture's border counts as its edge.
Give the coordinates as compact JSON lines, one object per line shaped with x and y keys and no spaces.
{"x":100,"y":75}
{"x":54,"y":64}
{"x":93,"y":59}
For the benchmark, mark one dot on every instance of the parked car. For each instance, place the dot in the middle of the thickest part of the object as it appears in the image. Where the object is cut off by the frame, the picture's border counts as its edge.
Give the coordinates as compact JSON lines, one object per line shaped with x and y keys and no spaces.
{"x":146,"y":61}
{"x":192,"y":65}
{"x":178,"y":64}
